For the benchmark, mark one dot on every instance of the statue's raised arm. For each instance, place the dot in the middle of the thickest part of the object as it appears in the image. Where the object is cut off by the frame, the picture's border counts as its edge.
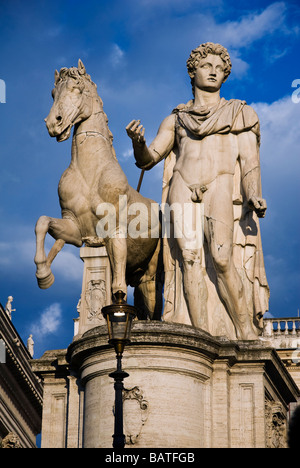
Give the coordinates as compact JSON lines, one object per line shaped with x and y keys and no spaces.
{"x":147,"y":157}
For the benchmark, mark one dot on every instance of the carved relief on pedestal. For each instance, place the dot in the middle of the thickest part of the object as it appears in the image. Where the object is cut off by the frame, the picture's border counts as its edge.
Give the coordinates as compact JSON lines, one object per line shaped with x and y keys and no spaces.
{"x":276,"y":429}
{"x":10,"y":441}
{"x":95,"y":297}
{"x":96,"y":289}
{"x":136,"y":410}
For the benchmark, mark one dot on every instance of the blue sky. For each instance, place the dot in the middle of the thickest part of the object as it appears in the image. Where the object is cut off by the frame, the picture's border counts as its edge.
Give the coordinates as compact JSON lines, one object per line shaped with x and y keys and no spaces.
{"x":136,"y":51}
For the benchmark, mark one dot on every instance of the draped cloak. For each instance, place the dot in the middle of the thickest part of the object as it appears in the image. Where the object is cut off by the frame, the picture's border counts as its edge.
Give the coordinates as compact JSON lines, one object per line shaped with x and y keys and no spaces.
{"x":233,"y":116}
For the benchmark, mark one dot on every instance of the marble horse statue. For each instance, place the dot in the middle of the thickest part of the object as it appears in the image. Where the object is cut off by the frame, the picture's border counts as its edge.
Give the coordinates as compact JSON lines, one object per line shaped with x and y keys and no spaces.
{"x":93,"y":180}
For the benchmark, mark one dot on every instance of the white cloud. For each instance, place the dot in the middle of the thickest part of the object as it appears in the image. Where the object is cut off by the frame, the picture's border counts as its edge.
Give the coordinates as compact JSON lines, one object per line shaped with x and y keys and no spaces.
{"x":268,"y":315}
{"x":254,"y":26}
{"x":17,"y":253}
{"x":244,"y":33}
{"x":117,"y":56}
{"x":128,"y":154}
{"x":270,"y":25}
{"x":158,"y":171}
{"x":280,"y":181}
{"x":68,"y":265}
{"x":280,"y":137}
{"x":49,"y":321}
{"x":239,"y":66}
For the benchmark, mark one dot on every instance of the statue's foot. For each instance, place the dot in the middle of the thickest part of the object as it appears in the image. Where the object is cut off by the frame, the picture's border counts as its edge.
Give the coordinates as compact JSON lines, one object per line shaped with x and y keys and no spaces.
{"x":45,"y":277}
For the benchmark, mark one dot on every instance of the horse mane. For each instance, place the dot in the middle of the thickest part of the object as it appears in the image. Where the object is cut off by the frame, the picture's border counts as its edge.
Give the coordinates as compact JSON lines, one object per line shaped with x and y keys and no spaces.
{"x":80,"y":75}
{"x":73,"y":72}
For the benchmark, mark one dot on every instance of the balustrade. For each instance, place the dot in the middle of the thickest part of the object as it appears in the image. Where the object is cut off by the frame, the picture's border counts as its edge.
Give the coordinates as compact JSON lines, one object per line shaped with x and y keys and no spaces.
{"x":283,"y":328}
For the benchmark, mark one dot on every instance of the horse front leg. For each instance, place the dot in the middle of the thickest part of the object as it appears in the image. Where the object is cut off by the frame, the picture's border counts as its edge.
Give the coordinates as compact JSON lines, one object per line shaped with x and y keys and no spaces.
{"x":63,"y":231}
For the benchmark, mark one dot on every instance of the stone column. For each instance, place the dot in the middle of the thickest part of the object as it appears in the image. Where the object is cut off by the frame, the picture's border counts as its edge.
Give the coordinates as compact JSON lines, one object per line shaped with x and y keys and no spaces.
{"x":220,"y":404}
{"x":165,"y":394}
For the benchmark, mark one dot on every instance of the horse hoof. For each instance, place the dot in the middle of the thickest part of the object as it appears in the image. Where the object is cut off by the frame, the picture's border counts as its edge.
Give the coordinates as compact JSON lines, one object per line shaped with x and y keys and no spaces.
{"x":46,"y":281}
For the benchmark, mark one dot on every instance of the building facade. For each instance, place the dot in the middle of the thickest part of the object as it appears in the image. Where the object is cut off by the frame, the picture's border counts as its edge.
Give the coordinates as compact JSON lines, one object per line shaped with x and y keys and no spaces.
{"x":21,"y":392}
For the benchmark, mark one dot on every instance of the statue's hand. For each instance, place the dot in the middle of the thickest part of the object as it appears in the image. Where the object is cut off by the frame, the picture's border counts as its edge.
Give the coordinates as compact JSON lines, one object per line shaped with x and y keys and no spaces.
{"x":136,"y":132}
{"x":259,"y":205}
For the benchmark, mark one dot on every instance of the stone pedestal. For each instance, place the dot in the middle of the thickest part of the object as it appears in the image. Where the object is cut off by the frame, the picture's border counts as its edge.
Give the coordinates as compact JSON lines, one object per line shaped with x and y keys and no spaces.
{"x":96,"y":288}
{"x":185,"y":389}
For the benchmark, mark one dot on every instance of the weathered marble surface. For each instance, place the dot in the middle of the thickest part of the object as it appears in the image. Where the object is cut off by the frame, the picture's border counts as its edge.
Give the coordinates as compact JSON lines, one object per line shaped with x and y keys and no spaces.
{"x":93,"y":184}
{"x":214,"y":276}
{"x":211,"y":152}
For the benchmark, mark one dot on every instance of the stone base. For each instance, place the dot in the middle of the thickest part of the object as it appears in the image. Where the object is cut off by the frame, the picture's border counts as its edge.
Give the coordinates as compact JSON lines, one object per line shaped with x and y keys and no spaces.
{"x":185,"y":389}
{"x":96,"y":289}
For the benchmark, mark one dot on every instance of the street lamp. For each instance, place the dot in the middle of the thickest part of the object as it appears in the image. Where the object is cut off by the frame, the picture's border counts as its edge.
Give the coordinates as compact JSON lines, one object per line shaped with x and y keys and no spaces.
{"x":119,"y":317}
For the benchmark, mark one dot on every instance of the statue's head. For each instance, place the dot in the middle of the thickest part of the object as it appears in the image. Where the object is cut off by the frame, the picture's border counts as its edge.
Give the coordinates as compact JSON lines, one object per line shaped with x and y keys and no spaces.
{"x":73,"y":95}
{"x":202,"y":52}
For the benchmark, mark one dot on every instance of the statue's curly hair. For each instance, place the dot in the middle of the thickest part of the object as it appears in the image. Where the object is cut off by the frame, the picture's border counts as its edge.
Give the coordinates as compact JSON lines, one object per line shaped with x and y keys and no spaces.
{"x":201,"y":52}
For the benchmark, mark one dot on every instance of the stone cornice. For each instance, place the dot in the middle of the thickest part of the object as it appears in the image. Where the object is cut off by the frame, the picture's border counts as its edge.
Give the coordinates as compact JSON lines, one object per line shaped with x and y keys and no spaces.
{"x":172,"y":335}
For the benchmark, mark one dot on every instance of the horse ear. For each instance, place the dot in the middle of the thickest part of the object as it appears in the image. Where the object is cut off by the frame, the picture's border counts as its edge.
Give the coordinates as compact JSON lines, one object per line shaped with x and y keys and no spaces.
{"x":81,"y":68}
{"x":56,"y":77}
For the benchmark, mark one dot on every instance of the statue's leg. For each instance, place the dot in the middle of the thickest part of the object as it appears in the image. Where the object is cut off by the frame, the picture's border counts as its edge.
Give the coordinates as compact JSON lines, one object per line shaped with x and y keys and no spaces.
{"x":187,"y":225}
{"x":62,"y":230}
{"x":195,"y":289}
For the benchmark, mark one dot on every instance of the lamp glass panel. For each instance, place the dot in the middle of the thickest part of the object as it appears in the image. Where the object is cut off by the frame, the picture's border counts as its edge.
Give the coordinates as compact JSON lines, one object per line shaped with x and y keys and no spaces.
{"x":120,"y":325}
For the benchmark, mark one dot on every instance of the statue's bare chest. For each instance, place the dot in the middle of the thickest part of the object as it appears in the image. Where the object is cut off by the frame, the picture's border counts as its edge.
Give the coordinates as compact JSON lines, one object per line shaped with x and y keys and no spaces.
{"x":205,"y":158}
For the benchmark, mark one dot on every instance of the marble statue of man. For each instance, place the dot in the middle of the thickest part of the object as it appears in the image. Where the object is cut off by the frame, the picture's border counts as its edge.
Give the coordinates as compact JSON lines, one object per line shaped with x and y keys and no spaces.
{"x":211,"y":151}
{"x":8,"y":306}
{"x":30,"y":345}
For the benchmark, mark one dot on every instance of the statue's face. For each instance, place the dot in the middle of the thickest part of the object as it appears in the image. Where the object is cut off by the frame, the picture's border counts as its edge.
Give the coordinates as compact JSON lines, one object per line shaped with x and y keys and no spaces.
{"x":209,"y":74}
{"x":72,"y":104}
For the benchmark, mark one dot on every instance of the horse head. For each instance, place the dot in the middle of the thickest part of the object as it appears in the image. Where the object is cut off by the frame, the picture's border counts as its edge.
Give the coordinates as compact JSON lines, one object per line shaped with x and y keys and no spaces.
{"x":73,"y":96}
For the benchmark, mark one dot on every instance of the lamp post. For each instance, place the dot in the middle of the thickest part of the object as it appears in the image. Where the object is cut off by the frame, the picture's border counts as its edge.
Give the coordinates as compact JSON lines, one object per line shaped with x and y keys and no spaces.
{"x":119,"y":317}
